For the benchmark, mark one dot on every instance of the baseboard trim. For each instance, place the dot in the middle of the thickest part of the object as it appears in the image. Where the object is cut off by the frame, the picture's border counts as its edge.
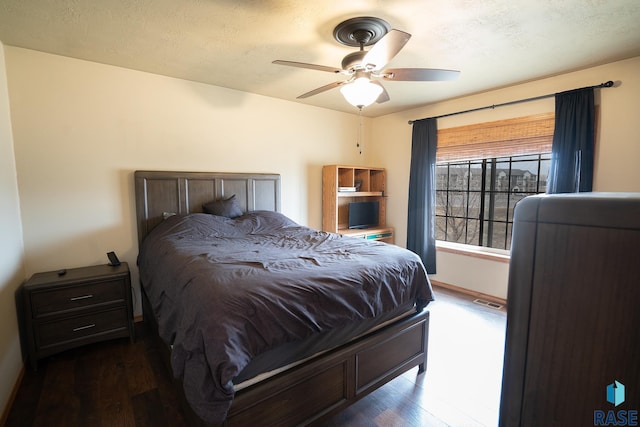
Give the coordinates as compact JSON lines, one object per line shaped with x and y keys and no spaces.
{"x":469,"y":292}
{"x":12,"y":397}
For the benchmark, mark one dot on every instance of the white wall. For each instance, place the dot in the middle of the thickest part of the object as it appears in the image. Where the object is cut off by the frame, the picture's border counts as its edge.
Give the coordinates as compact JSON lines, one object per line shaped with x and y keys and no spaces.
{"x":617,"y":150}
{"x":82,"y":128}
{"x":12,"y":271}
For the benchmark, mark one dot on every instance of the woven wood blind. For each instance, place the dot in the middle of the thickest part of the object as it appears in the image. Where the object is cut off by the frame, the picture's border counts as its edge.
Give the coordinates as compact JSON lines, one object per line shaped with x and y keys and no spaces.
{"x":502,"y":138}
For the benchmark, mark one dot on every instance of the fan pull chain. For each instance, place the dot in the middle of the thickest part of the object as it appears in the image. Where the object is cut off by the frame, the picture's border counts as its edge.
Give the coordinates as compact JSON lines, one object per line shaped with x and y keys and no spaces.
{"x":358,"y":141}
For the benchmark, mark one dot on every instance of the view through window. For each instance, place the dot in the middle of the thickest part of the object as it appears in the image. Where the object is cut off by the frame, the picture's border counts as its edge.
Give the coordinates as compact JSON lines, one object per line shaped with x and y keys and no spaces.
{"x":475,"y":199}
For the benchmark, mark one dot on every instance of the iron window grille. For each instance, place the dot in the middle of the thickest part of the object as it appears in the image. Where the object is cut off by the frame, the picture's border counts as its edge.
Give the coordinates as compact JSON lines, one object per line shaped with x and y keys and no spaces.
{"x":475,"y":199}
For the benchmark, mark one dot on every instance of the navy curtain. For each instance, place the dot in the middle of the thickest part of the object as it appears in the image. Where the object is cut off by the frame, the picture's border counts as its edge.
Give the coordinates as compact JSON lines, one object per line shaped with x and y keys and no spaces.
{"x":421,"y":219}
{"x":573,"y":143}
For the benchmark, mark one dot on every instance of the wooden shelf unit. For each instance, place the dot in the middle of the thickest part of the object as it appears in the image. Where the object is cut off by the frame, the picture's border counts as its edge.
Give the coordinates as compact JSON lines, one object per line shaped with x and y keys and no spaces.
{"x":371,"y":186}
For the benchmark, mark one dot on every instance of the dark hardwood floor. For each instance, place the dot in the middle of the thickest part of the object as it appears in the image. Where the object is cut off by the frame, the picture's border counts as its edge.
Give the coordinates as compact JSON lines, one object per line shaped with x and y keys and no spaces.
{"x":117,"y":383}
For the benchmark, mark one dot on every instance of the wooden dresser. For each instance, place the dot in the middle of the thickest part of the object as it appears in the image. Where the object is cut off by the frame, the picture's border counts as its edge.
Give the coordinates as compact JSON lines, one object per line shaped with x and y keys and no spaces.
{"x":573,"y":310}
{"x":81,"y":306}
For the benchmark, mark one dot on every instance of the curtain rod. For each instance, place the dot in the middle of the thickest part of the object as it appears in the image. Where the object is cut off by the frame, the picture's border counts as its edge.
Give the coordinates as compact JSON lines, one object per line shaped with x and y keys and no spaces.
{"x":606,"y":84}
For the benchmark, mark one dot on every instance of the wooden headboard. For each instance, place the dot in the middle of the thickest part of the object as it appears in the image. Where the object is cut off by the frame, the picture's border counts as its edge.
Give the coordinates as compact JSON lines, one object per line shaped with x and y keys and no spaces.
{"x":160,"y":192}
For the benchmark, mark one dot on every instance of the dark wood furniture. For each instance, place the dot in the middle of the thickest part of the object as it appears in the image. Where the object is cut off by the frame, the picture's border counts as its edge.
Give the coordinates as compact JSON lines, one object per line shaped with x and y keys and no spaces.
{"x":82,"y":306}
{"x":159,"y":193}
{"x":320,"y":387}
{"x":572,"y":318}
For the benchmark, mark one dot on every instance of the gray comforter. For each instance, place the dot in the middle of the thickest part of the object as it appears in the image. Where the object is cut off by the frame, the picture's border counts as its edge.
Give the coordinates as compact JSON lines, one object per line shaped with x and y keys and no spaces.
{"x":225,"y":290}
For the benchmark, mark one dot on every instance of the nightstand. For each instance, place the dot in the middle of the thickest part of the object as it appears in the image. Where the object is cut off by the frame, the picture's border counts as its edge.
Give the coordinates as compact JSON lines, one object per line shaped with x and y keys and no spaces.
{"x":82,"y":306}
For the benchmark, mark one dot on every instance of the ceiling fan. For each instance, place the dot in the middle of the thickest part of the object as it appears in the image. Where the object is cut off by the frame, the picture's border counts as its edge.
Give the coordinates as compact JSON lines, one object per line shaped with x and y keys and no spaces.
{"x":365,"y":68}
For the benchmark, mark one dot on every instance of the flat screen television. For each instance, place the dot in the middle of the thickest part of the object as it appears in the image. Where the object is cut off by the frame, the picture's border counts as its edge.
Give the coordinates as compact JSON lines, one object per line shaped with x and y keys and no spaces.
{"x":363,"y":214}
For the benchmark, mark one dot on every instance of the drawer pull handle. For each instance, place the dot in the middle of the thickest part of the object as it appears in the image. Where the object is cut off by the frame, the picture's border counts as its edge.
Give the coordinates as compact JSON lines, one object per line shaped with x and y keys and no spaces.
{"x":79,"y":328}
{"x":81,"y":297}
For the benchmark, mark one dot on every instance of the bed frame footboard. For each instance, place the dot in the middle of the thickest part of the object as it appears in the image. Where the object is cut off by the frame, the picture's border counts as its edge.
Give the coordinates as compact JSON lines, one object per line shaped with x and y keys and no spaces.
{"x":326,"y":384}
{"x":314,"y":391}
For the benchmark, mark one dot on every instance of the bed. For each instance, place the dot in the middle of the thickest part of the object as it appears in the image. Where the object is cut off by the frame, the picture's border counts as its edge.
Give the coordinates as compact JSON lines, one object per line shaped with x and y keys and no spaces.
{"x":264,"y":320}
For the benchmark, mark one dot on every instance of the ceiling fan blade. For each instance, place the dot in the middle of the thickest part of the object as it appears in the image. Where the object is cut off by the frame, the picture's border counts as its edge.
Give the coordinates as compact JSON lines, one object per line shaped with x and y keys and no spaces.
{"x":384,"y":96}
{"x":320,"y":89}
{"x":386,"y":48}
{"x":419,"y":74}
{"x":305,"y":65}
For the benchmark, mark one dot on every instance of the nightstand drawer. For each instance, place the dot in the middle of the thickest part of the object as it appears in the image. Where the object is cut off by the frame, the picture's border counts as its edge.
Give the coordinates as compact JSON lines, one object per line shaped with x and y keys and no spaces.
{"x":76,"y":328}
{"x":74,"y":297}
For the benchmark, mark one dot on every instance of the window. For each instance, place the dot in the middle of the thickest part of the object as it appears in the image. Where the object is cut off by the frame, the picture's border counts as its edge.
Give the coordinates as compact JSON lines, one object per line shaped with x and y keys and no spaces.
{"x":483,"y":170}
{"x":475,"y":199}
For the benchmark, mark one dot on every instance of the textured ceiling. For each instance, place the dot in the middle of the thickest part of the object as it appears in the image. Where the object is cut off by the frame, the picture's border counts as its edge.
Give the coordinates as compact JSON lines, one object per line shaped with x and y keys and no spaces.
{"x":231,"y":43}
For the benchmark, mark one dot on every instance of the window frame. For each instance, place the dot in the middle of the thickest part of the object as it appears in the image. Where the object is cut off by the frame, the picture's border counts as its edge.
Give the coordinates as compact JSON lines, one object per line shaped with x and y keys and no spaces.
{"x":497,"y":142}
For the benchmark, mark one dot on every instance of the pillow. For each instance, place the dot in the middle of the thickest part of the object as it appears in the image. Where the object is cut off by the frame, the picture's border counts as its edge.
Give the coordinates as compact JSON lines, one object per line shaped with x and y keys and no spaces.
{"x":270,"y":220}
{"x":224,"y":207}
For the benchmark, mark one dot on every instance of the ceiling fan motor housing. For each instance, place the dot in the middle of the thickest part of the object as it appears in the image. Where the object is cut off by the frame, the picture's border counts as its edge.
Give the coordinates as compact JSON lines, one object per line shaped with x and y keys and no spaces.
{"x":353,"y":60}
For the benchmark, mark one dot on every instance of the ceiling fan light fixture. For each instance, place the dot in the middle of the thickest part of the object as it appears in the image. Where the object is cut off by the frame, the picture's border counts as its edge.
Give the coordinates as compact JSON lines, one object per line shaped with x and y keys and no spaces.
{"x":361,"y":92}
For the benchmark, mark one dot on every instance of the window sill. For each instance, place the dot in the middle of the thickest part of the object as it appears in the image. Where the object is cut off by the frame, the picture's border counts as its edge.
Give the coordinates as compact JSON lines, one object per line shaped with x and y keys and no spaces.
{"x":496,"y":255}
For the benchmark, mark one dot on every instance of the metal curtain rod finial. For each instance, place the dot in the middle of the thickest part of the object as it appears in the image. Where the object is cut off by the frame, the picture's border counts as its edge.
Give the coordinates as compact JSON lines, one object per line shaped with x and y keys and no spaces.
{"x":609,"y":83}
